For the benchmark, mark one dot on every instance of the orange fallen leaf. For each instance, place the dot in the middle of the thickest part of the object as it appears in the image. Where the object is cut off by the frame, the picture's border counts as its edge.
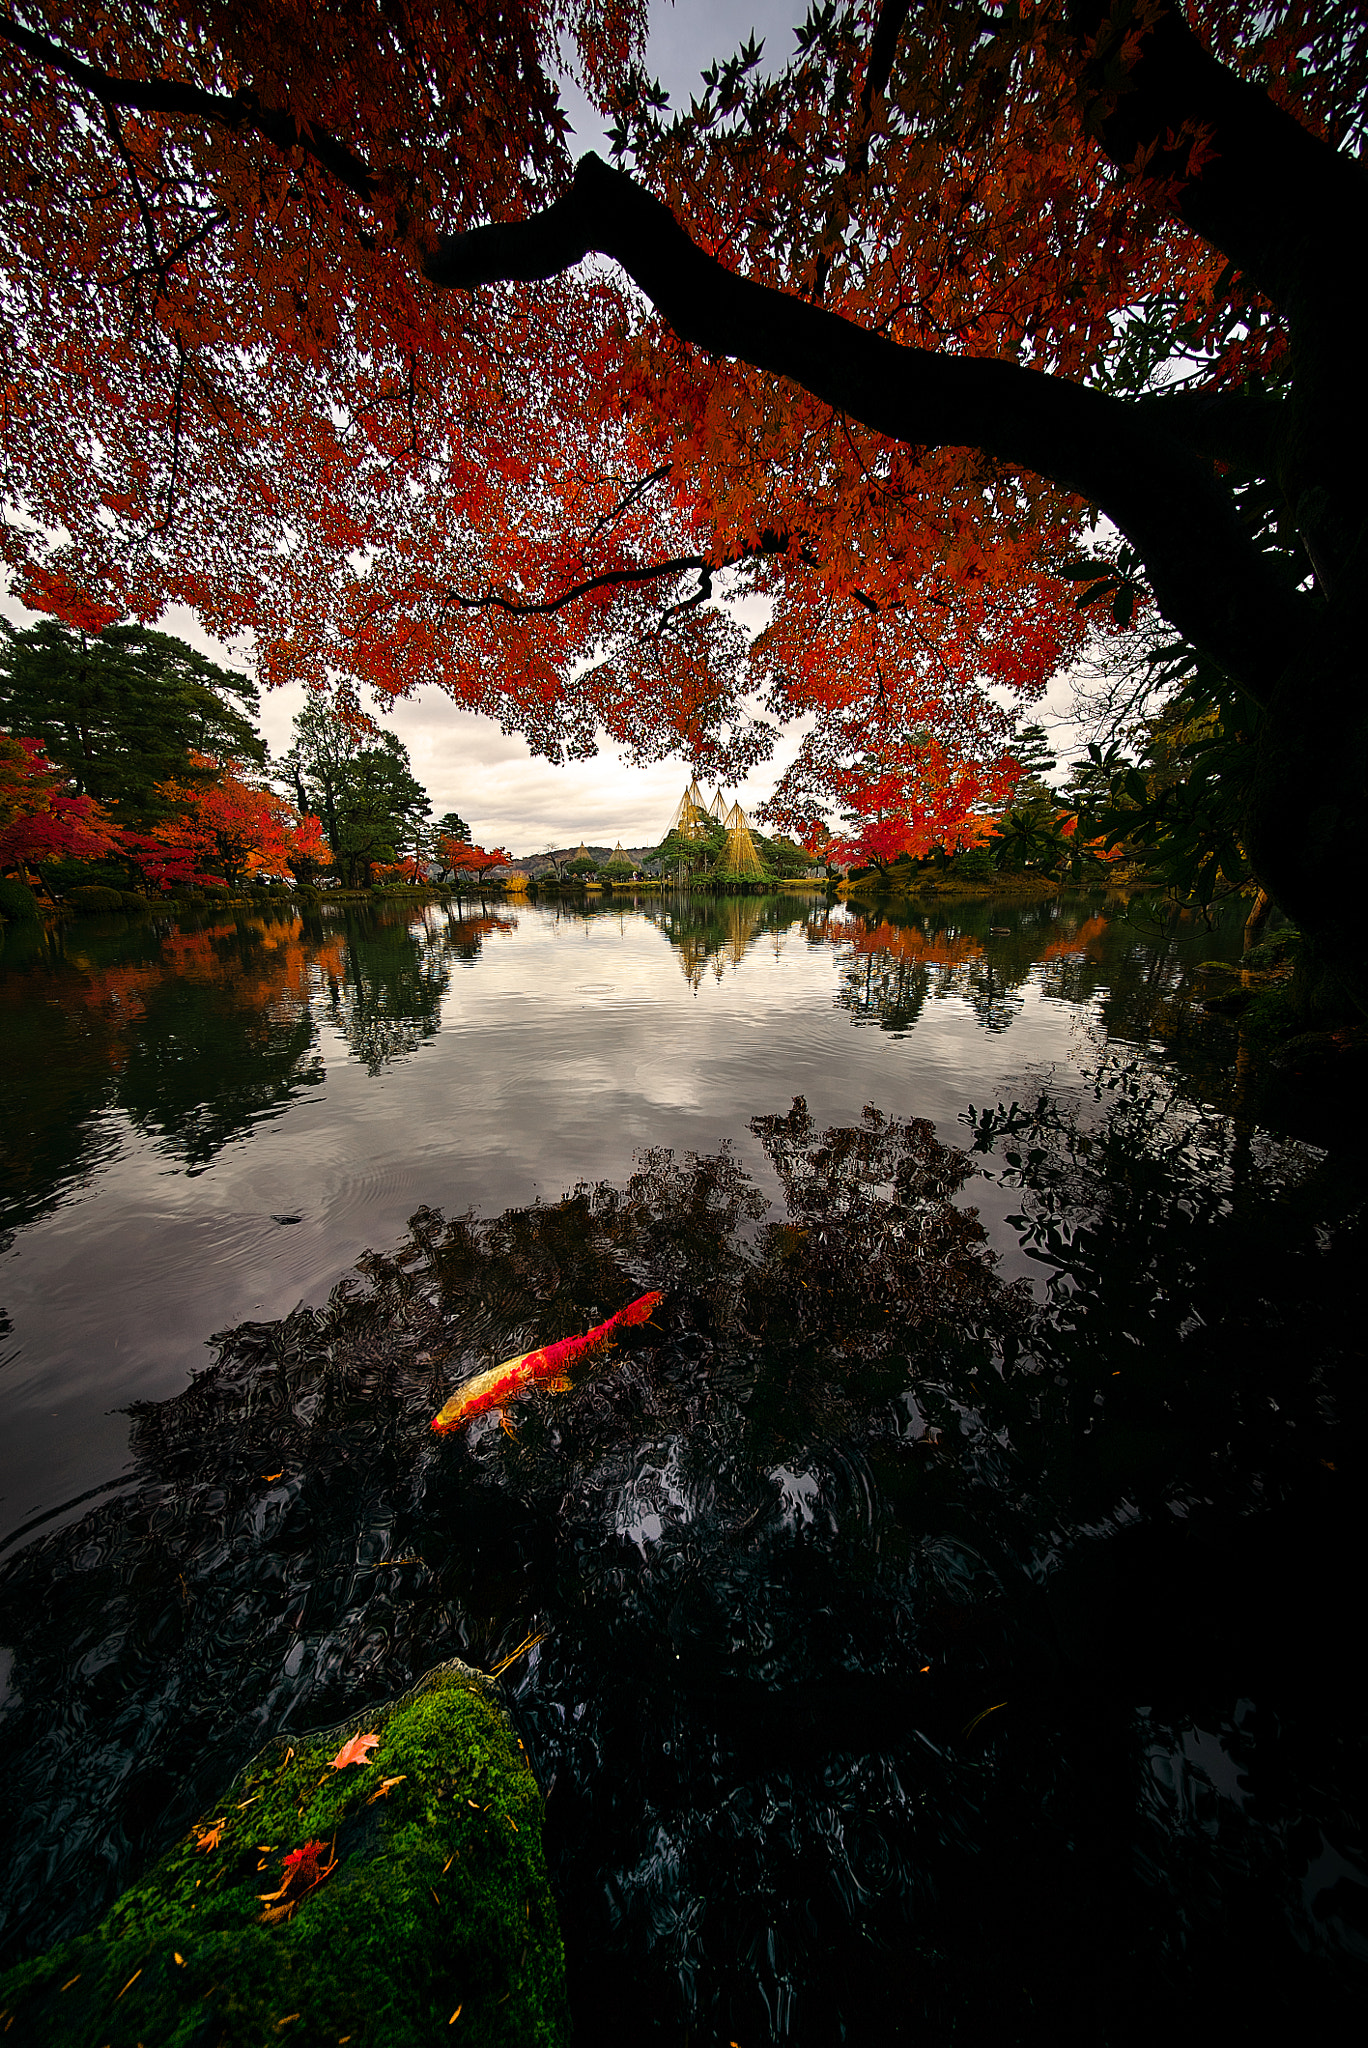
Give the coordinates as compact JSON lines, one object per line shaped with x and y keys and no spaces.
{"x":357,"y":1751}
{"x":268,"y":1476}
{"x":210,"y":1837}
{"x":454,"y":2017}
{"x":384,"y":1787}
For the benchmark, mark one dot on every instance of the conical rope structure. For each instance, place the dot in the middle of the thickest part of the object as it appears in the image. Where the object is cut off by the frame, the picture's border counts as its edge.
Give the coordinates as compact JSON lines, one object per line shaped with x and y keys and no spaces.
{"x":740,"y":860}
{"x":690,"y":818}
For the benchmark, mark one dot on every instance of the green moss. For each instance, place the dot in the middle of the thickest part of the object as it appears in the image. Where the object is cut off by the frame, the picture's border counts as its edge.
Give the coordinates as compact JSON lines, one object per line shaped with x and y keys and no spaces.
{"x":438,"y":1899}
{"x":17,"y":900}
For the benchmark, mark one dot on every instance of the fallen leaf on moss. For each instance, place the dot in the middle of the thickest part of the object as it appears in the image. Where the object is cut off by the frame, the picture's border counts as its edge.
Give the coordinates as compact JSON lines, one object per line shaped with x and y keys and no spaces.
{"x":383,"y":1789}
{"x":357,"y":1751}
{"x":209,"y":1838}
{"x":303,"y":1872}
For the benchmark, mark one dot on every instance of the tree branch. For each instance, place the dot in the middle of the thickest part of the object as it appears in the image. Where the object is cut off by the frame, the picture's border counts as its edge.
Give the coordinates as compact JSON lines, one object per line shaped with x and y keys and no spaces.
{"x":1262,"y":189}
{"x":1208,"y":577}
{"x":174,"y":96}
{"x":1226,"y":425}
{"x":646,"y":573}
{"x":624,"y":503}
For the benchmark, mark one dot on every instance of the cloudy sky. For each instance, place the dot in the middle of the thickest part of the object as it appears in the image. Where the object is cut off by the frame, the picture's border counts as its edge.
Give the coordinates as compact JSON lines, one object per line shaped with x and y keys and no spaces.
{"x":465,"y":762}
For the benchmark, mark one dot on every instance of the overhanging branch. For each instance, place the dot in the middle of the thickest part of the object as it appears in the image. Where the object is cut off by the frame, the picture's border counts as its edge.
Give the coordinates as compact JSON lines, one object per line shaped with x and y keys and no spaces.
{"x":1208,"y":577}
{"x":241,"y":109}
{"x":648,"y":572}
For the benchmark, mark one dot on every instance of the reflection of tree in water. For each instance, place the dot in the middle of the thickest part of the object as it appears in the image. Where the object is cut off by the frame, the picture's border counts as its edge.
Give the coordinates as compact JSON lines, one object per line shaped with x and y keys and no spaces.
{"x":195,"y":1033}
{"x":917,"y":1661}
{"x":463,"y":937}
{"x":891,"y":968}
{"x":225,"y":1037}
{"x":386,"y":997}
{"x":1071,"y":950}
{"x":718,"y":931}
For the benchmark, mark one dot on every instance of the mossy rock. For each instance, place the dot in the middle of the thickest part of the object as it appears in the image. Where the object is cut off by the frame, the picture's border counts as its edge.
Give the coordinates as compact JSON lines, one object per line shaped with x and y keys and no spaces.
{"x":435,"y":1898}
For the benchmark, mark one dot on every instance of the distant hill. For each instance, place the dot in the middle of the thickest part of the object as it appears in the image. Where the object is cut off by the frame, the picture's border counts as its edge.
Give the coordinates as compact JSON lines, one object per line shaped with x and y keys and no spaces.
{"x":533,"y":863}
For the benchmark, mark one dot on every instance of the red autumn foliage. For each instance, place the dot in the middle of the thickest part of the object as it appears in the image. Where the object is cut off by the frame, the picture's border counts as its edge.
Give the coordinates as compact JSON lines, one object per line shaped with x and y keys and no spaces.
{"x":243,"y":828}
{"x":874,"y":330}
{"x":917,"y":798}
{"x":460,"y":859}
{"x":40,"y":818}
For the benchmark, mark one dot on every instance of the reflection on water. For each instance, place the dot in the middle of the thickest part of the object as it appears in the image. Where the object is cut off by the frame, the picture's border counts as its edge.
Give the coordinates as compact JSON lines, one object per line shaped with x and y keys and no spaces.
{"x":198,"y":1031}
{"x":927,"y":1652}
{"x":922,"y":1658}
{"x":385,"y":997}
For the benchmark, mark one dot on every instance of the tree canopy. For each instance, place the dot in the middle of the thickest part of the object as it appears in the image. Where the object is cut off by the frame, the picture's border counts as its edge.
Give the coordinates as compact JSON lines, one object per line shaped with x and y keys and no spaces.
{"x":876,"y":335}
{"x":124,"y":710}
{"x":360,"y":781}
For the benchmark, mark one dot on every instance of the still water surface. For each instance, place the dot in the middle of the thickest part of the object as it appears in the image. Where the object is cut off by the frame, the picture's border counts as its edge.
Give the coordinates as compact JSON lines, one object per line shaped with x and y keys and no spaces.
{"x":943,"y":1623}
{"x":206,"y":1124}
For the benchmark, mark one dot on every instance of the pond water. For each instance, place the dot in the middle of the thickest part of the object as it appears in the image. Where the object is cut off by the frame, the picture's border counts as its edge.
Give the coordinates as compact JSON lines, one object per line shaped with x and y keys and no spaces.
{"x":940,"y":1614}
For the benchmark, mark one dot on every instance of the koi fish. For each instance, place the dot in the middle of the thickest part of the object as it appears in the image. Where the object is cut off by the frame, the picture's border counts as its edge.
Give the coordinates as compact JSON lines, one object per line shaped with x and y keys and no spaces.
{"x":547,"y":1367}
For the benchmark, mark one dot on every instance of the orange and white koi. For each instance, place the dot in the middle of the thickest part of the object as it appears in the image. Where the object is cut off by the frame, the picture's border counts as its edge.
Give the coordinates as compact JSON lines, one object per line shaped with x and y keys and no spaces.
{"x":547,"y":1367}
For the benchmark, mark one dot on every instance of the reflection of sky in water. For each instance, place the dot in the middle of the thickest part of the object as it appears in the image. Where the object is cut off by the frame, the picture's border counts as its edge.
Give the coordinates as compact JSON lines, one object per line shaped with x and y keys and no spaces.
{"x":350,"y":1076}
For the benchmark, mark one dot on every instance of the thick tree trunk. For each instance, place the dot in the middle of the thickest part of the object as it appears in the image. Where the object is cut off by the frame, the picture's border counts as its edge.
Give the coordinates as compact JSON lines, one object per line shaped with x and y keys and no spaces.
{"x":1306,"y":823}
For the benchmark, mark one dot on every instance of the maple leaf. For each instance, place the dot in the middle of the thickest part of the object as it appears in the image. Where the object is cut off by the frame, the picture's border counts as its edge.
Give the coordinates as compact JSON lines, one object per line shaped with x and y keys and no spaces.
{"x":303,"y":1871}
{"x":209,"y":1838}
{"x":357,"y":1751}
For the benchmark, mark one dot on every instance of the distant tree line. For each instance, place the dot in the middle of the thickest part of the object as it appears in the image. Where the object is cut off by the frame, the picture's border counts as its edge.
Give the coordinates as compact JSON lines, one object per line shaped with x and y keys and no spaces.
{"x":131,"y":761}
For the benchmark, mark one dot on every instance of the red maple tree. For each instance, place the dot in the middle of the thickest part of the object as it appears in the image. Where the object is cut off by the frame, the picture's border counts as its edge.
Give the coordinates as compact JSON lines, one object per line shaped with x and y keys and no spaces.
{"x":237,"y":827}
{"x":879,"y":334}
{"x":459,"y":858}
{"x":41,"y":818}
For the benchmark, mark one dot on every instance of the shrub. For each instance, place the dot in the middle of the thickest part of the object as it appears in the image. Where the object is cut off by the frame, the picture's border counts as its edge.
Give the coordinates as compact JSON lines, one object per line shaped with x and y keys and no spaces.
{"x":133,"y":903}
{"x":17,"y":900}
{"x":975,"y":864}
{"x":62,"y":876}
{"x":91,"y":896}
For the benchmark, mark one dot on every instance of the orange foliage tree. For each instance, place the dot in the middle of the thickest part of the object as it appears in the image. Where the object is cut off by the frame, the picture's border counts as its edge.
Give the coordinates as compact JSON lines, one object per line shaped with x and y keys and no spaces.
{"x":240,"y":828}
{"x":458,"y":858}
{"x":878,"y":336}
